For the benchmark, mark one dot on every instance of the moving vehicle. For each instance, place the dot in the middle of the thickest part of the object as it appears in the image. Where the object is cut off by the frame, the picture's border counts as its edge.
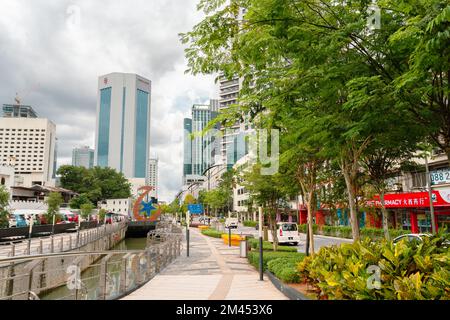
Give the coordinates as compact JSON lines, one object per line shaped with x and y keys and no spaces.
{"x":287,"y":232}
{"x":231,"y":223}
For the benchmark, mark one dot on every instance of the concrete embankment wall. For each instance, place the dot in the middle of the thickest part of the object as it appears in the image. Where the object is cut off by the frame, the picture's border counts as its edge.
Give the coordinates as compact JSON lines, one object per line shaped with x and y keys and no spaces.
{"x":44,"y":274}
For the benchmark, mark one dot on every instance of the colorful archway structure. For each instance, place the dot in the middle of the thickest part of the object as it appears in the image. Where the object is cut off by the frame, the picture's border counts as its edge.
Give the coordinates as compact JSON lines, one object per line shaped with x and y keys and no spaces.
{"x":145,"y":211}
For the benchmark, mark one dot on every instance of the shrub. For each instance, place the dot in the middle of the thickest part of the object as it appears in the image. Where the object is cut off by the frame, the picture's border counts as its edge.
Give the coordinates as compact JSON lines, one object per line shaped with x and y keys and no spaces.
{"x":267,"y":246}
{"x":212,"y":233}
{"x":250,"y":224}
{"x":253,"y":257}
{"x":409,"y":270}
{"x":285,"y":269}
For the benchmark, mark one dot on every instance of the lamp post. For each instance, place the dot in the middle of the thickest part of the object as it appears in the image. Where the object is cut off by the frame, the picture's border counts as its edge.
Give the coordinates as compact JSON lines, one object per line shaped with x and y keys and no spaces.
{"x":261,"y":276}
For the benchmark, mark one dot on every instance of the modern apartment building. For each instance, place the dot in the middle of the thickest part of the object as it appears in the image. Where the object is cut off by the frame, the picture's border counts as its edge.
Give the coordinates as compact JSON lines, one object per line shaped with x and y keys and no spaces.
{"x":83,"y":157}
{"x":29,"y":144}
{"x":123,"y":124}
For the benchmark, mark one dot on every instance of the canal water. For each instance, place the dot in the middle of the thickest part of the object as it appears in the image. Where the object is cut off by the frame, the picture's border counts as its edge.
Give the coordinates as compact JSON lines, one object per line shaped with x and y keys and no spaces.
{"x":90,"y":277}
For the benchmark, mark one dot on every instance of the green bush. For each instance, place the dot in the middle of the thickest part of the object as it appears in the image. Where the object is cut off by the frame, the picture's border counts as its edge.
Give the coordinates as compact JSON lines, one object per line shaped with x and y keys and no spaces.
{"x":285,"y":269}
{"x":212,"y":233}
{"x":267,"y":246}
{"x":409,"y":270}
{"x":253,"y":257}
{"x":250,"y":224}
{"x":346,"y":232}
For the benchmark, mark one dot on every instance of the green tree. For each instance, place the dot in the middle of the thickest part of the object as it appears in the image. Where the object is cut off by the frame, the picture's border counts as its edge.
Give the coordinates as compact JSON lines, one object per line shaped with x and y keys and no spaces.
{"x":86,"y":210}
{"x":4,"y":202}
{"x":54,"y":202}
{"x":96,"y":183}
{"x":77,"y":202}
{"x":101,"y":215}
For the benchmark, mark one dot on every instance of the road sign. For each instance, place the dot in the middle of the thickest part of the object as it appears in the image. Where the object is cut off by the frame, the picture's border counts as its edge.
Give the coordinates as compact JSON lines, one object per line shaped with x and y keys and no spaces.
{"x":195,"y":208}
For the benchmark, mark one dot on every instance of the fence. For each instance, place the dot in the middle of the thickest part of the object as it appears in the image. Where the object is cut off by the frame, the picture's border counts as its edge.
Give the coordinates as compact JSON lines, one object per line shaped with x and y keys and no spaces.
{"x":67,"y":241}
{"x":107,"y":275}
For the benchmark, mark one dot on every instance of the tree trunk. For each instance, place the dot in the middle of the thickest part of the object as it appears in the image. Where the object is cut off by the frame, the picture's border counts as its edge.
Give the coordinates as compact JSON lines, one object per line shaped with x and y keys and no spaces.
{"x":310,"y":222}
{"x":351,"y":202}
{"x":384,"y":214}
{"x":273,"y":229}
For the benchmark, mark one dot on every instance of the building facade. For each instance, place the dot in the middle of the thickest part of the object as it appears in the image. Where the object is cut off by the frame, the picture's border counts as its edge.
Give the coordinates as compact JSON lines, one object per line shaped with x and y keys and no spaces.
{"x":153,"y":177}
{"x":199,"y":149}
{"x":29,"y":144}
{"x":123,"y":124}
{"x":83,"y":157}
{"x":119,"y":206}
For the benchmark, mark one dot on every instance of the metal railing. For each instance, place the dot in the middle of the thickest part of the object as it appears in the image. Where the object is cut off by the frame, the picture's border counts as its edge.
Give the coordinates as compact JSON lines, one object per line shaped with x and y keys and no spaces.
{"x":61,"y":242}
{"x":95,"y":275}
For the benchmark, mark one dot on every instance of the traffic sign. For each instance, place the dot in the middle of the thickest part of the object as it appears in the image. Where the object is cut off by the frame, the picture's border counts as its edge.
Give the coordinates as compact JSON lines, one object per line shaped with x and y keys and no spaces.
{"x":195,"y":208}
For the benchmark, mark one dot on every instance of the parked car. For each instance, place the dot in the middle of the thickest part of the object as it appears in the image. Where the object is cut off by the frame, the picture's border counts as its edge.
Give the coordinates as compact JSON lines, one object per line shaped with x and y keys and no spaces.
{"x":231,"y":223}
{"x":411,"y":237}
{"x":12,"y":222}
{"x":287,"y":232}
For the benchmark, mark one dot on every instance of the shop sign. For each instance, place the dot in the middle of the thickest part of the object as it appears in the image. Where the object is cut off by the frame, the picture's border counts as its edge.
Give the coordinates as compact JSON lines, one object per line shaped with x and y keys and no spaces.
{"x":441,"y":176}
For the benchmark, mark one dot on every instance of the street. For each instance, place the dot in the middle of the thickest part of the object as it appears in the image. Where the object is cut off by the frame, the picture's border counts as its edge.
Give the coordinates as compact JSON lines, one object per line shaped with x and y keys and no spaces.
{"x":319,"y":241}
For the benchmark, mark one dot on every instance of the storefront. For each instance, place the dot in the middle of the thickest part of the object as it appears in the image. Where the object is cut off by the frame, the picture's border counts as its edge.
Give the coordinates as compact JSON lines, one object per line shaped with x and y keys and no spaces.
{"x":412,"y":209}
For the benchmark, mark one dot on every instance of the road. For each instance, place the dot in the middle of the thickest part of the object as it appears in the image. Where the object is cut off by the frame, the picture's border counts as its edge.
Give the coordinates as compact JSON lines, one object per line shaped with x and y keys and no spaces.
{"x":319,"y":241}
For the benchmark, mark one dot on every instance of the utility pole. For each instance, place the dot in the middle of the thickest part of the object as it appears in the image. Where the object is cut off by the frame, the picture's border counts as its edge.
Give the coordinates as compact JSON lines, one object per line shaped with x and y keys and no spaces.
{"x":430,"y":196}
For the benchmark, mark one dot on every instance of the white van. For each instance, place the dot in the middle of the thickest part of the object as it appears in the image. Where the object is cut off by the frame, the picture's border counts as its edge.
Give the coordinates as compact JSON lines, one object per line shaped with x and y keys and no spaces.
{"x":287,"y":232}
{"x":231,"y":223}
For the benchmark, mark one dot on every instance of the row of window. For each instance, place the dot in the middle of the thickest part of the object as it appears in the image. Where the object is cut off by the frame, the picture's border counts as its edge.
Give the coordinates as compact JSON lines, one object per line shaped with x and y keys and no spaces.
{"x":242,"y":203}
{"x":241,"y":191}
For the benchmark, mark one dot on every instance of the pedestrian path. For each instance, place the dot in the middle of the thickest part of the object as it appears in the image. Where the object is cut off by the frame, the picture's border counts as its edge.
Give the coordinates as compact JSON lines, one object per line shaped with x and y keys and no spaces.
{"x":213,"y":271}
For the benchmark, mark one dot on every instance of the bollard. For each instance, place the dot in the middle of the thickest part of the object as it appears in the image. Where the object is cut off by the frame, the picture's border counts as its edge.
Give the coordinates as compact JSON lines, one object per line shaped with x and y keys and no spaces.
{"x":29,"y":247}
{"x":229,"y":236}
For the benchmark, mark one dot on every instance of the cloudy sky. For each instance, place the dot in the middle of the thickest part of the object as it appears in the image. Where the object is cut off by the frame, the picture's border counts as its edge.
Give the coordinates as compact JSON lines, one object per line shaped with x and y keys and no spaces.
{"x":52,"y":52}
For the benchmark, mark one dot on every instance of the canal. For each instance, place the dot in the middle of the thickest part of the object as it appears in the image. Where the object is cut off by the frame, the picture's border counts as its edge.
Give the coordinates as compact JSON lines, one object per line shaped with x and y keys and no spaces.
{"x":90,"y":278}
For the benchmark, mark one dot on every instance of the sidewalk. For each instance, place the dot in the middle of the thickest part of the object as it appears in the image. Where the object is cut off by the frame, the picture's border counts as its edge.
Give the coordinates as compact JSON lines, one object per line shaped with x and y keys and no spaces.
{"x":212,"y":272}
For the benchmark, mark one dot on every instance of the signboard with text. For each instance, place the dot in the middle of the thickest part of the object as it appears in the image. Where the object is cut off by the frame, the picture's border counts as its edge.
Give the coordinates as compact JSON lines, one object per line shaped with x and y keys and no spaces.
{"x":441,"y":176}
{"x":441,"y":198}
{"x":195,"y":208}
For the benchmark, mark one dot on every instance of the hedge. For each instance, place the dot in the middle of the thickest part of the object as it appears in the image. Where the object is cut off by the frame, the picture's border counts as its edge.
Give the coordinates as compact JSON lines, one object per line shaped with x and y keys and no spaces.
{"x":285,"y":269}
{"x":250,"y":223}
{"x":212,"y":233}
{"x":346,"y":232}
{"x":267,"y":246}
{"x":253,"y":257}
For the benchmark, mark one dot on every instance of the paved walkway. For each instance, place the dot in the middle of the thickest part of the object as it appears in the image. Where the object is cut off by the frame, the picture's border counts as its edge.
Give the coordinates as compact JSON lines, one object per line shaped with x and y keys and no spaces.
{"x":212,"y":272}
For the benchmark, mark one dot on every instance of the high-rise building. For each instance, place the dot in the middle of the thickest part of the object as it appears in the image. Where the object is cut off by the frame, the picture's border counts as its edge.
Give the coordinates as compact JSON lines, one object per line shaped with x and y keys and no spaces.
{"x":29,"y":144}
{"x":123,"y":125}
{"x":199,"y":148}
{"x":83,"y":157}
{"x":153,"y":176}
{"x":18,"y":111}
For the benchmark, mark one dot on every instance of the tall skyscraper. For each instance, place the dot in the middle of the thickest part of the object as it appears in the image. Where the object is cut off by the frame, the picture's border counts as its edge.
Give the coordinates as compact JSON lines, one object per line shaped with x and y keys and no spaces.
{"x":153,"y":176}
{"x":199,"y":149}
{"x":83,"y":157}
{"x":123,"y":124}
{"x":29,"y":144}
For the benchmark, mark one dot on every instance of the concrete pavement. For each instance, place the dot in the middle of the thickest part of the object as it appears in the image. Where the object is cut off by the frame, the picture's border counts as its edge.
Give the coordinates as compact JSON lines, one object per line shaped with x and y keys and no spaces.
{"x":212,"y":272}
